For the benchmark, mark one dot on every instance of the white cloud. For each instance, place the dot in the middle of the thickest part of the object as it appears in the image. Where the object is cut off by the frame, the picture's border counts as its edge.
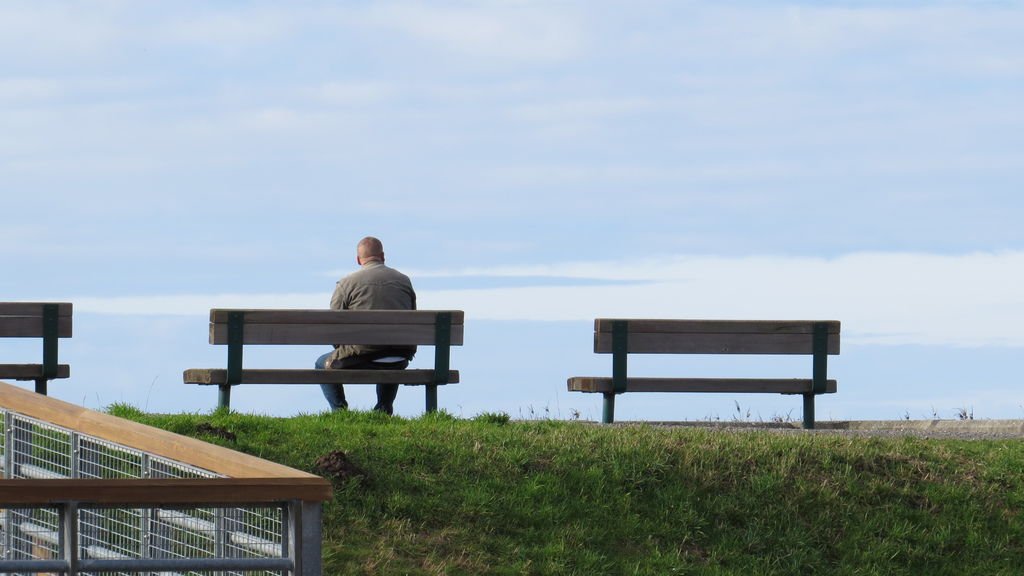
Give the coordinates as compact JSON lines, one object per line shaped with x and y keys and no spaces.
{"x":581,"y":108}
{"x":881,"y":298}
{"x":276,"y":119}
{"x":28,"y":90}
{"x":191,"y":304}
{"x":347,"y":94}
{"x":36,"y":31}
{"x":518,"y":31}
{"x":234,"y":30}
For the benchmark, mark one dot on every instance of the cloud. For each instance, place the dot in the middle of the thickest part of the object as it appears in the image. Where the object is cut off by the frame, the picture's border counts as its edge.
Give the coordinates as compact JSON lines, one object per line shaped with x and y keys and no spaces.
{"x":516,"y":31}
{"x":191,"y":304}
{"x":34,"y":31}
{"x":28,"y":90}
{"x":233,"y":29}
{"x":881,"y":298}
{"x":352,"y":94}
{"x":965,"y":300}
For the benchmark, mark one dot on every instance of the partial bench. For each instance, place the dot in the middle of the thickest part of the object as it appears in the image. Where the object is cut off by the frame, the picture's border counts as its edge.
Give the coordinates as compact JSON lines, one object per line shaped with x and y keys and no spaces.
{"x":623,"y":337}
{"x":441,"y":329}
{"x":49,"y":321}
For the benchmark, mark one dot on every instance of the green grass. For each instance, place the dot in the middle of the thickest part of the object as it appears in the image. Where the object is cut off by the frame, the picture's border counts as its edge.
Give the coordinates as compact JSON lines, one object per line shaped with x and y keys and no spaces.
{"x":440,"y":495}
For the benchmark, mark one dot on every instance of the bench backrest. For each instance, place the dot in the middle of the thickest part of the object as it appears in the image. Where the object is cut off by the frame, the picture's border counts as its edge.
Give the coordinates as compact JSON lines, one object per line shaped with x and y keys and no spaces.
{"x":369,"y":327}
{"x":35,"y":320}
{"x":716,"y":336}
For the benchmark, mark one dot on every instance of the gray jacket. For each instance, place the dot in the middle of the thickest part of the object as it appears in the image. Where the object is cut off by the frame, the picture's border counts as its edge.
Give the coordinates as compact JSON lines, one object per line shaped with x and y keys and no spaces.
{"x":373,"y":287}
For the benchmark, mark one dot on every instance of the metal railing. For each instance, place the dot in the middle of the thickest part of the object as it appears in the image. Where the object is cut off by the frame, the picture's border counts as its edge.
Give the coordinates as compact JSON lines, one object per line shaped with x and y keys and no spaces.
{"x":78,"y":504}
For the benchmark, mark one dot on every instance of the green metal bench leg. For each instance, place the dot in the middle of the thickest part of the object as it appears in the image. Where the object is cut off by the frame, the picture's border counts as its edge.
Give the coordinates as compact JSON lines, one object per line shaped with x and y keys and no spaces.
{"x":608,"y":413}
{"x":819,"y":371}
{"x":236,"y":339}
{"x":50,"y":339}
{"x":224,"y":397}
{"x":620,"y":349}
{"x":442,"y":356}
{"x":809,"y":411}
{"x":431,"y":398}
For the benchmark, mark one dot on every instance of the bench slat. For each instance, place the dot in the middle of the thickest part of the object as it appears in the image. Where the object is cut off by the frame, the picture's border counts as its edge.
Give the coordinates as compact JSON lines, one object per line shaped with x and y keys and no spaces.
{"x":286,"y":376}
{"x":263,"y":316}
{"x":310,"y":334}
{"x":714,"y":343}
{"x":31,"y":327}
{"x":736,"y":385}
{"x":33,"y":308}
{"x":718,"y":326}
{"x":31,"y":371}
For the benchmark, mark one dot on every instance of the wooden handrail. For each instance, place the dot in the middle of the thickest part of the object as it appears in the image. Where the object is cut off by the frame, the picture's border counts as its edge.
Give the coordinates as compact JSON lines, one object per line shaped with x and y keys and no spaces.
{"x":217,"y":459}
{"x":179,"y":491}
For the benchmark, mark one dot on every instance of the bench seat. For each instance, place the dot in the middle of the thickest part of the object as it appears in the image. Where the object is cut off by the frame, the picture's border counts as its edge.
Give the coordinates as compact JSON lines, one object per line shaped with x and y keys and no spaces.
{"x":219,"y":376}
{"x":726,"y":385}
{"x":31,"y":371}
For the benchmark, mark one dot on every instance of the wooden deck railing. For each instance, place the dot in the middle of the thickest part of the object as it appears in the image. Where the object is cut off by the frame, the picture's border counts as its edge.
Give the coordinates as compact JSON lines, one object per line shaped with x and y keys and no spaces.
{"x":244,"y":481}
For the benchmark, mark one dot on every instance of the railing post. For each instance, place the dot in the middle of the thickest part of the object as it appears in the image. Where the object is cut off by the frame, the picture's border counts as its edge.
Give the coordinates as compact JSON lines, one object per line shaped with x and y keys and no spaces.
{"x":19,"y":442}
{"x":145,"y":516}
{"x":69,"y":533}
{"x":293,"y":528}
{"x":76,"y":452}
{"x":8,"y":473}
{"x":219,"y":532}
{"x":286,"y":530}
{"x":306,"y":537}
{"x":8,"y":444}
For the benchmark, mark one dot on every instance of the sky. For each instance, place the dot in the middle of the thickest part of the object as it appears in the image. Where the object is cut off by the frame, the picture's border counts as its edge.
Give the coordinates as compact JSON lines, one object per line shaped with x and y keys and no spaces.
{"x":538,"y":165}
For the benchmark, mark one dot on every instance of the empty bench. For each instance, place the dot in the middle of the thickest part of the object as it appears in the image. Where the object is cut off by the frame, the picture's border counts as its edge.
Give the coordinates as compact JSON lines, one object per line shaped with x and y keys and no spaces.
{"x":619,"y":337}
{"x":441,"y":329}
{"x":49,"y":321}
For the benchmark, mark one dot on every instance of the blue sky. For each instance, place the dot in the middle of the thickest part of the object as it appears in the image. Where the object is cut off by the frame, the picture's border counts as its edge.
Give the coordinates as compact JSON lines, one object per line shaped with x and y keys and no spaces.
{"x":536,"y":164}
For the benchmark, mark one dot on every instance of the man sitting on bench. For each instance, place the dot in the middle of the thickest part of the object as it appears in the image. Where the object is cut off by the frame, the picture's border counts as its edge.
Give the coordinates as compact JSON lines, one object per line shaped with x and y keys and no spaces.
{"x":373,"y":287}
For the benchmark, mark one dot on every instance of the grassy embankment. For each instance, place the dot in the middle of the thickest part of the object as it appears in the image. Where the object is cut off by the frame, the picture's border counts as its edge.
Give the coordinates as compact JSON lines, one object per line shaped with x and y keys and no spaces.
{"x":439,"y":495}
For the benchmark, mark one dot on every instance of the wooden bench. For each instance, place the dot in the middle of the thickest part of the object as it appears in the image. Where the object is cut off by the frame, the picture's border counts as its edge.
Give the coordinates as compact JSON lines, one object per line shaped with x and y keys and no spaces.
{"x":49,"y":321}
{"x":623,"y":337}
{"x":441,"y":329}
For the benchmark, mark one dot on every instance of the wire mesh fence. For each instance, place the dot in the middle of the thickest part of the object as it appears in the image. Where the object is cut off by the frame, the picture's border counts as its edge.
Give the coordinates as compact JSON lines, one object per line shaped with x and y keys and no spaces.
{"x":34,"y":449}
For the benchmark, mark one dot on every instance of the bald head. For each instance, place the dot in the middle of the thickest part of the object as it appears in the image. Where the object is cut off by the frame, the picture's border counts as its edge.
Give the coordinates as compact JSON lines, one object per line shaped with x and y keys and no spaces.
{"x":369,"y":249}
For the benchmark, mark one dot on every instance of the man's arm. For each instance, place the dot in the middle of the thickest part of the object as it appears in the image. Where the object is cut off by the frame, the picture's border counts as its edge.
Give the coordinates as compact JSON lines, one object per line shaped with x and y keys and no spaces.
{"x":338,"y":298}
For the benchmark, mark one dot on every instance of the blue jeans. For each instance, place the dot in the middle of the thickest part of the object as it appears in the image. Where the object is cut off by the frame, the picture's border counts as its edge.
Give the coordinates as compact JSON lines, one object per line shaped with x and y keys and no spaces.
{"x":386,"y":393}
{"x":335,"y":393}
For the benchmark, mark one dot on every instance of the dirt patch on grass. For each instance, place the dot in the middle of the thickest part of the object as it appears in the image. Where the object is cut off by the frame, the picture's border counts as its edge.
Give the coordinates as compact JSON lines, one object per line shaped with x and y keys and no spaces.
{"x":216,"y":431}
{"x":338,"y":466}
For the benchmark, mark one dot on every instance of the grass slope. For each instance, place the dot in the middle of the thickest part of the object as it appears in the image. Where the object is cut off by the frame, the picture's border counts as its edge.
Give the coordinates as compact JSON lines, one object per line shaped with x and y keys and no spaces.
{"x":440,"y":495}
